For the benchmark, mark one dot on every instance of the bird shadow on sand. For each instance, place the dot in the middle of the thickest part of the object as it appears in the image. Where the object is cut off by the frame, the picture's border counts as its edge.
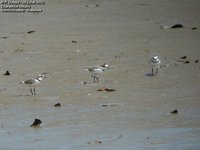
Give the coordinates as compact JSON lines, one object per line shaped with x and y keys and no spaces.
{"x":22,"y":95}
{"x":149,"y":75}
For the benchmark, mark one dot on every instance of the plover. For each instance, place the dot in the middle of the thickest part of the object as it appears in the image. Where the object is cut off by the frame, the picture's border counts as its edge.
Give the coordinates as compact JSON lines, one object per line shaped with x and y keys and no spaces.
{"x":32,"y":83}
{"x":97,"y":70}
{"x":155,"y":62}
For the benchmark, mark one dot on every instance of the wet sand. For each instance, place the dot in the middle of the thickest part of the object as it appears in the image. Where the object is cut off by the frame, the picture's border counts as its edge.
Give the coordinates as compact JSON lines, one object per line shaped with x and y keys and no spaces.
{"x":124,"y":34}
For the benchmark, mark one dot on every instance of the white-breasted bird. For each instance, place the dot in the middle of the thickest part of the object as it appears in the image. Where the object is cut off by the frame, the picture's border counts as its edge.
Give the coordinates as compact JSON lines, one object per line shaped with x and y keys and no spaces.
{"x":97,"y":70}
{"x":155,"y":63}
{"x":32,"y":83}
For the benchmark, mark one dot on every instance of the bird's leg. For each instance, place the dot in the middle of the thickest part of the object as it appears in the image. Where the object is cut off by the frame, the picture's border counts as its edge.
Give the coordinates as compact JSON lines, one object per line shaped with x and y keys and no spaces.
{"x":31,"y":91}
{"x":93,"y":76}
{"x":95,"y":79}
{"x":152,"y":71}
{"x":34,"y":91}
{"x":156,"y":70}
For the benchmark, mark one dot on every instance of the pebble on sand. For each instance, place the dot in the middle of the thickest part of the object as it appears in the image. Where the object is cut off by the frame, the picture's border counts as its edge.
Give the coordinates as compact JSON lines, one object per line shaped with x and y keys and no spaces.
{"x":7,"y":73}
{"x":73,"y":41}
{"x":57,"y":105}
{"x":36,"y":123}
{"x":32,"y":31}
{"x":174,"y":111}
{"x":183,"y":57}
{"x":95,"y":142}
{"x":104,"y":89}
{"x":109,"y":105}
{"x":187,"y":62}
{"x":176,"y":26}
{"x":194,"y":28}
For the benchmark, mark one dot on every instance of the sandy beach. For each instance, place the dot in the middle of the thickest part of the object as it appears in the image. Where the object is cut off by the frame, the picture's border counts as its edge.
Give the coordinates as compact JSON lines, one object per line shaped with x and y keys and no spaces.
{"x":71,"y":35}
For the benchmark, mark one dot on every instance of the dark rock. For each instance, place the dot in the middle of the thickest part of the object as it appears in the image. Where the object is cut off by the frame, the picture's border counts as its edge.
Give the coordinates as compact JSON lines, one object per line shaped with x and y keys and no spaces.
{"x":84,"y":82}
{"x":36,"y":123}
{"x":110,"y":105}
{"x":95,"y":142}
{"x":7,"y":73}
{"x":104,"y":89}
{"x":18,"y":50}
{"x":57,"y":105}
{"x":74,"y":41}
{"x":184,"y":57}
{"x":187,"y":62}
{"x":174,"y":111}
{"x":104,"y":105}
{"x":176,"y":26}
{"x":32,"y":31}
{"x":194,"y":28}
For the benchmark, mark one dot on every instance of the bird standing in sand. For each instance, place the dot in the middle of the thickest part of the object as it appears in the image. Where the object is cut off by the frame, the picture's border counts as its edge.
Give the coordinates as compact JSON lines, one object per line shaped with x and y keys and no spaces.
{"x":155,"y":63}
{"x":97,"y":70}
{"x":32,"y":83}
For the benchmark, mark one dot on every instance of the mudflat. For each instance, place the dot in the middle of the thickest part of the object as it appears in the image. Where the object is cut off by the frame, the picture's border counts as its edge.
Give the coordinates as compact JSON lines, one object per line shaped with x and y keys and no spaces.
{"x":143,"y":112}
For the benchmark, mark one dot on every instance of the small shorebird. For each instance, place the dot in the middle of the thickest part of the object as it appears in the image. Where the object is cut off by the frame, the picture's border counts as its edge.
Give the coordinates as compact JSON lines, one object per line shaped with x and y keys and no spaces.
{"x":97,"y":70}
{"x":155,"y":63}
{"x":32,"y":83}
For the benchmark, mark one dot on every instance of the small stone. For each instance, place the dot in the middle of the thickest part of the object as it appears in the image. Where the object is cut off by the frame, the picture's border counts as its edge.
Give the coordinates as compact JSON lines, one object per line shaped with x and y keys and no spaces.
{"x":95,"y":142}
{"x":176,"y":26}
{"x":104,"y":105}
{"x":184,"y":57}
{"x":7,"y":73}
{"x":36,"y":123}
{"x":194,"y":28}
{"x":174,"y":111}
{"x":104,"y":89}
{"x":84,"y":82}
{"x":32,"y":31}
{"x":57,"y":105}
{"x":74,"y":41}
{"x":18,"y":50}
